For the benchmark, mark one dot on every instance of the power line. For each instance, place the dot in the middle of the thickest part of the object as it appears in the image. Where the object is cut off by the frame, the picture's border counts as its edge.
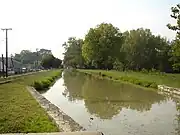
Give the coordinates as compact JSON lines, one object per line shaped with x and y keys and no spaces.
{"x":6,"y":29}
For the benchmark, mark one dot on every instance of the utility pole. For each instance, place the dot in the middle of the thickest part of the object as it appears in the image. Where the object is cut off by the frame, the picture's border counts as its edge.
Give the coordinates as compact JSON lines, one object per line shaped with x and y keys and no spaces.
{"x":6,"y":29}
{"x":37,"y":58}
{"x":3,"y":65}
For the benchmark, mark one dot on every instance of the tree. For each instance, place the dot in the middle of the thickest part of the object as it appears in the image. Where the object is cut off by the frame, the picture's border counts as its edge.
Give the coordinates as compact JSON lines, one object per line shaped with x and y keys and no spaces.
{"x":73,"y":53}
{"x":31,"y":59}
{"x":49,"y":61}
{"x":142,"y":49}
{"x":175,"y":52}
{"x":102,"y":46}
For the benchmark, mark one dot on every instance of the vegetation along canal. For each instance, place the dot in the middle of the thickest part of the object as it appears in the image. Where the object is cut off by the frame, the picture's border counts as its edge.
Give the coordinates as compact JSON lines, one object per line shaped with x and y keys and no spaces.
{"x":114,"y":108}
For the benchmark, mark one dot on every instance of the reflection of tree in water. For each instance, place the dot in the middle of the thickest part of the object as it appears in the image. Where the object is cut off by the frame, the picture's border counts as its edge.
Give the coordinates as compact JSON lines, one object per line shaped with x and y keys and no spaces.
{"x":111,"y":97}
{"x":106,"y":98}
{"x":104,"y":110}
{"x":178,"y":116}
{"x":73,"y":82}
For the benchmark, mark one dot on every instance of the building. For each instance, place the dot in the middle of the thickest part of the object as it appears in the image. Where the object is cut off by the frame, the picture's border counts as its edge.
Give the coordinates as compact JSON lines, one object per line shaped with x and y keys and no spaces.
{"x":13,"y":66}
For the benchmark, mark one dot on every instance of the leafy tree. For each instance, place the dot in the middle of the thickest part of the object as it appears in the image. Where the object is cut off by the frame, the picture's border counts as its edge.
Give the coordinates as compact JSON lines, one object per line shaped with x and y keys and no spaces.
{"x":73,"y":53}
{"x":32,"y":59}
{"x":175,"y":50}
{"x":102,"y":46}
{"x":143,"y":50}
{"x":49,"y":61}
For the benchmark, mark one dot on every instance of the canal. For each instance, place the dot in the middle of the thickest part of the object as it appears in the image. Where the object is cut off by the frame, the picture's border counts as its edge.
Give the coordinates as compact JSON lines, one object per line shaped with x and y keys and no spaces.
{"x":114,"y":108}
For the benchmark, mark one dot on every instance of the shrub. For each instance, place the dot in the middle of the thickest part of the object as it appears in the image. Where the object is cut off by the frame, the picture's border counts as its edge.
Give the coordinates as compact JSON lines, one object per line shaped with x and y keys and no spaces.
{"x":153,"y":85}
{"x":45,"y":84}
{"x":51,"y":79}
{"x":117,"y":65}
{"x":56,"y":76}
{"x":144,"y":70}
{"x":146,"y":84}
{"x":125,"y":78}
{"x":131,"y":80}
{"x":137,"y":82}
{"x":38,"y":85}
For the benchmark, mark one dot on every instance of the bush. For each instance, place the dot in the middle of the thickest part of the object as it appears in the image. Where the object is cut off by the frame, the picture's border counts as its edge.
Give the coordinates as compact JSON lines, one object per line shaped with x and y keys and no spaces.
{"x":137,"y":82}
{"x":146,"y":84}
{"x":153,"y":70}
{"x":51,"y":79}
{"x":153,"y":85}
{"x":117,"y":65}
{"x":144,"y":70}
{"x":38,"y":85}
{"x":45,"y":84}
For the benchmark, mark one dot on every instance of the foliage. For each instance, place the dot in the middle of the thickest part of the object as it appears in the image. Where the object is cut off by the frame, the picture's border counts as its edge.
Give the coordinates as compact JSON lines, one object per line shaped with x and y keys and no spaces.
{"x":105,"y":47}
{"x":49,"y":61}
{"x":144,"y":50}
{"x":117,"y":65}
{"x":73,"y":53}
{"x":144,"y":70}
{"x":38,"y":85}
{"x":138,"y":78}
{"x":175,"y":49}
{"x":125,"y":78}
{"x":102,"y":46}
{"x":46,"y":82}
{"x":31,"y":59}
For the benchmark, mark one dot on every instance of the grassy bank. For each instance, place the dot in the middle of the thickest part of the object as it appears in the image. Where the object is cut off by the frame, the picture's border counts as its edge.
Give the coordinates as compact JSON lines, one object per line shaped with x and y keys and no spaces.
{"x":150,"y":80}
{"x":19,"y":111}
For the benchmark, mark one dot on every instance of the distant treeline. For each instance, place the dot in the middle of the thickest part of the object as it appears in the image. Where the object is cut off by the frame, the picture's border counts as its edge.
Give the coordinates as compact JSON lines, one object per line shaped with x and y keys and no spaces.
{"x":105,"y":47}
{"x":38,"y":59}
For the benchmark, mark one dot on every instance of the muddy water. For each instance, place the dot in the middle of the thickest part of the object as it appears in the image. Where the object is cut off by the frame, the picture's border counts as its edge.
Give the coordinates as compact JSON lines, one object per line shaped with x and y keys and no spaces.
{"x":114,"y":108}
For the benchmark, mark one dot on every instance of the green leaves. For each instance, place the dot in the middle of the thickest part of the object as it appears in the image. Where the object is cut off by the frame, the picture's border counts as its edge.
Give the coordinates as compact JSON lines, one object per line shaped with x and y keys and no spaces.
{"x":102,"y":45}
{"x":105,"y":47}
{"x":73,"y":53}
{"x":175,"y":49}
{"x":50,"y":61}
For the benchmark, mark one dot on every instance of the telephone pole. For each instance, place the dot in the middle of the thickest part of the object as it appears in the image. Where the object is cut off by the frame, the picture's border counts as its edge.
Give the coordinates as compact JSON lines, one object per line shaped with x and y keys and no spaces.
{"x":2,"y":65}
{"x":6,"y":29}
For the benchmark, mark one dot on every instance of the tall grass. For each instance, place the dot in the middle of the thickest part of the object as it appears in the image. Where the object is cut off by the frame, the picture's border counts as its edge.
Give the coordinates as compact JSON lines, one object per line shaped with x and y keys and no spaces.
{"x":144,"y":78}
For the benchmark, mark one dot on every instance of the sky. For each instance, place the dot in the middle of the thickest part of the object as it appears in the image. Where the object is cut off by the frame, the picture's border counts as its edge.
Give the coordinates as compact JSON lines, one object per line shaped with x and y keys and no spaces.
{"x":48,"y":23}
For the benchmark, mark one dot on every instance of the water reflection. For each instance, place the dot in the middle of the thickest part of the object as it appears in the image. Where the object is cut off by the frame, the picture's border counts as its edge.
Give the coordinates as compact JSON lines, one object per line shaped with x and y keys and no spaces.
{"x":115,"y":108}
{"x":104,"y":98}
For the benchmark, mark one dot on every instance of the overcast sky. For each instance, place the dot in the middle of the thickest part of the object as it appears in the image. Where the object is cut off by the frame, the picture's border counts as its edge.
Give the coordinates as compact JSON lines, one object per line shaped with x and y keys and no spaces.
{"x":49,"y":23}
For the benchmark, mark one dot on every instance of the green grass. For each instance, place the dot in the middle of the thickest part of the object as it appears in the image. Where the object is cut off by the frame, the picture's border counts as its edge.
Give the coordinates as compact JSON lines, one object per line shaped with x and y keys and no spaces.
{"x":46,"y":82}
{"x":19,"y":111}
{"x":172,"y":80}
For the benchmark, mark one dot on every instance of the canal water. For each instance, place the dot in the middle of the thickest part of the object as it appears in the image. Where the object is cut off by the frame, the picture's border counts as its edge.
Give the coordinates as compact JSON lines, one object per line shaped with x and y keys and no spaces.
{"x":114,"y":108}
